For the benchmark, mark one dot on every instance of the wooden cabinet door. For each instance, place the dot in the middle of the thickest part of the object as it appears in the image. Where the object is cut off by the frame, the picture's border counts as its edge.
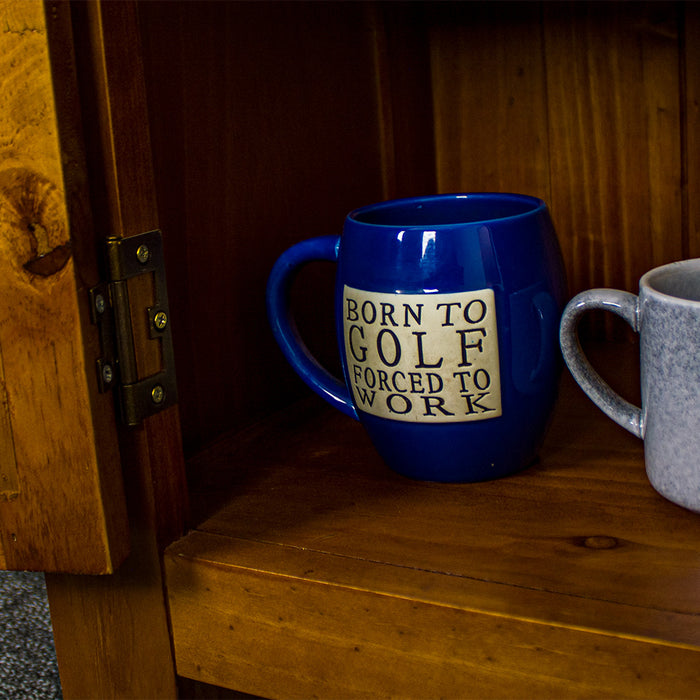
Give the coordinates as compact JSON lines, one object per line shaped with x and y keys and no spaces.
{"x":75,"y":168}
{"x":62,"y":505}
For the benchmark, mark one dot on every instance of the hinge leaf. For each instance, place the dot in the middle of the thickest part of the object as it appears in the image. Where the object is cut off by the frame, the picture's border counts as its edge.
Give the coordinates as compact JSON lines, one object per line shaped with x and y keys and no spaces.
{"x":111,"y":309}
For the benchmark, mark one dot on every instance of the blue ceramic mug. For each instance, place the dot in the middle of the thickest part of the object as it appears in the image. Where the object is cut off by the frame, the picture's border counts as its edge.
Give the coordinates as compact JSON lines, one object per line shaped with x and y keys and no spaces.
{"x":447,"y":313}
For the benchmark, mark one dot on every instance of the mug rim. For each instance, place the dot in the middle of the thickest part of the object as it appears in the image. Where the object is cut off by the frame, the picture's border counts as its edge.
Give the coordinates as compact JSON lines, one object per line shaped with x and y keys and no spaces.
{"x":537,"y":205}
{"x":648,"y":280}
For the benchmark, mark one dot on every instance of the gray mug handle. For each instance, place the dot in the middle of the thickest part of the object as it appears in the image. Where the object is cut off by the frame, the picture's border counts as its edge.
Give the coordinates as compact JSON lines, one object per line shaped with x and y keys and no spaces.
{"x":626,"y":306}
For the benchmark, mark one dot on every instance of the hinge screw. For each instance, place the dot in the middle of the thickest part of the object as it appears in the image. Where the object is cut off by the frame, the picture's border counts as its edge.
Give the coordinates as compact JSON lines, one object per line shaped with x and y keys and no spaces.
{"x":160,"y":320}
{"x":107,"y":374}
{"x":100,"y":304}
{"x":143,"y":254}
{"x":157,"y":394}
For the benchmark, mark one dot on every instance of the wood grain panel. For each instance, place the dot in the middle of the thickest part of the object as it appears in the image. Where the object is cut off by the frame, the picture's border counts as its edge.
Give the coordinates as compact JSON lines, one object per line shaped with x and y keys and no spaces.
{"x":615,"y":138}
{"x":581,"y":104}
{"x":298,"y":635}
{"x":571,"y":579}
{"x":489,"y":98}
{"x":112,"y":636}
{"x":265,"y":133}
{"x":117,"y":133}
{"x":362,"y":512}
{"x":9,"y":480}
{"x":400,"y":35}
{"x":69,"y":513}
{"x":691,"y":105}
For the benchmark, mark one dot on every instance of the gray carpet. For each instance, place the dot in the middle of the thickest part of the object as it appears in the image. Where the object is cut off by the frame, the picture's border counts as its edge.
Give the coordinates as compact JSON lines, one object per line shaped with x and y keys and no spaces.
{"x":28,"y":667}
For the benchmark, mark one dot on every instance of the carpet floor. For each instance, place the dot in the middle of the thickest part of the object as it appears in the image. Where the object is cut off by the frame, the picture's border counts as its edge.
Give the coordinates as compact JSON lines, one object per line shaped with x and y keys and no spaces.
{"x":28,"y":669}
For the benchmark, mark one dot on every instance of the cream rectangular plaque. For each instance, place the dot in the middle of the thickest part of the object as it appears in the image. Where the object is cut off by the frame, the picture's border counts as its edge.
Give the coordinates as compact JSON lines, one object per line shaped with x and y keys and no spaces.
{"x":429,"y":358}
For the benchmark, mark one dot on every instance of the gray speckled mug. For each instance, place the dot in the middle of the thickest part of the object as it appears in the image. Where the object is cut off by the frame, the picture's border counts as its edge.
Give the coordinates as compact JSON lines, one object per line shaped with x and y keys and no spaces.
{"x":666,"y":314}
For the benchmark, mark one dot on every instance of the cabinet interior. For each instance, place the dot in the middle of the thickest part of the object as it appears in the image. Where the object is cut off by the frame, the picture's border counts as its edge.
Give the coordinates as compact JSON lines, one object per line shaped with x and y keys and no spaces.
{"x":270,"y":121}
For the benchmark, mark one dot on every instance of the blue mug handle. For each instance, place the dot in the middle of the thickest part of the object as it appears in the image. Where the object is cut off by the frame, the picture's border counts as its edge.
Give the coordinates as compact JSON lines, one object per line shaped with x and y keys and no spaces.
{"x":285,"y":330}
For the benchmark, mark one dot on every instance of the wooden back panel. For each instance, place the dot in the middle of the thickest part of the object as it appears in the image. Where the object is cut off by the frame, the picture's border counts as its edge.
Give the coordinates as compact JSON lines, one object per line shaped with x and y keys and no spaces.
{"x":270,"y":121}
{"x":587,"y":105}
{"x":265,"y":119}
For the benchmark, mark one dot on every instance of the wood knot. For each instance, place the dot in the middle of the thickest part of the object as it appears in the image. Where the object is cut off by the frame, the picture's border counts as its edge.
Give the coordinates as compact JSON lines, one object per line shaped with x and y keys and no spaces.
{"x":34,"y":213}
{"x":46,"y":260}
{"x":598,"y":542}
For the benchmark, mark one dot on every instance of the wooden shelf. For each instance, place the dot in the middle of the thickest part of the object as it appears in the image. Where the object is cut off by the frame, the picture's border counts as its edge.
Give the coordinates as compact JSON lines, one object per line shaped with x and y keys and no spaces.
{"x":325,"y":574}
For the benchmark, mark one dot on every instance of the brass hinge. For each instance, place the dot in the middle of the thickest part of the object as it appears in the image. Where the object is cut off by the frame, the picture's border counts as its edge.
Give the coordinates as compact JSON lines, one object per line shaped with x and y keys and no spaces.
{"x":138,"y":397}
